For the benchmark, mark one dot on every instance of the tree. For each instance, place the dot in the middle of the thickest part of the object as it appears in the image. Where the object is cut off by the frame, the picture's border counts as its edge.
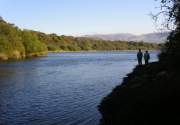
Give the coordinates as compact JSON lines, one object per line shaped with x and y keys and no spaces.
{"x":31,"y":43}
{"x":170,"y":54}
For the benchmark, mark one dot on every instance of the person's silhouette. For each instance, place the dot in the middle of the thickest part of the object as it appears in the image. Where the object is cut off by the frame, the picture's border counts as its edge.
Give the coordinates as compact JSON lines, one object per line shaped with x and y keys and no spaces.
{"x":146,"y":57}
{"x":139,"y":57}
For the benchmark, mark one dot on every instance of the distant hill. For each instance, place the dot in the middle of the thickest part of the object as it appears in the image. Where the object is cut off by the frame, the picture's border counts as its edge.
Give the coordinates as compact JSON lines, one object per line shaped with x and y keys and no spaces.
{"x":151,"y":37}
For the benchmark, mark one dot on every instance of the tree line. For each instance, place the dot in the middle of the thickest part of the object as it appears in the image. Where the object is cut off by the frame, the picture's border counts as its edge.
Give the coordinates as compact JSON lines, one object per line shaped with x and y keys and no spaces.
{"x":17,"y":44}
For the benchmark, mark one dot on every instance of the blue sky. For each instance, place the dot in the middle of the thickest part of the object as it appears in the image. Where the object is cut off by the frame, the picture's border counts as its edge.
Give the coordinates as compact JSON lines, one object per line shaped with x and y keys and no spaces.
{"x":79,"y":17}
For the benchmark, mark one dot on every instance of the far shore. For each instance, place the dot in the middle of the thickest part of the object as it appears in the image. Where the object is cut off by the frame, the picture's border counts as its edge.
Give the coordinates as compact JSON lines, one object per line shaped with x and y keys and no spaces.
{"x":35,"y":55}
{"x":100,"y":51}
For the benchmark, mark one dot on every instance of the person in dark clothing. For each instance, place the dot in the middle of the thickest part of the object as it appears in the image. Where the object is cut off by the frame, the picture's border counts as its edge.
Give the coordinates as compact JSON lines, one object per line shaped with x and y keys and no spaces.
{"x":139,"y":57}
{"x":146,"y":57}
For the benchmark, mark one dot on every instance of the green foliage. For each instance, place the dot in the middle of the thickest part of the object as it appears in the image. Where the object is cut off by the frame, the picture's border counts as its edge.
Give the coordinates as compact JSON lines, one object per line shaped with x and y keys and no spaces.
{"x":10,"y":41}
{"x":31,"y":43}
{"x":5,"y":45}
{"x":17,"y":44}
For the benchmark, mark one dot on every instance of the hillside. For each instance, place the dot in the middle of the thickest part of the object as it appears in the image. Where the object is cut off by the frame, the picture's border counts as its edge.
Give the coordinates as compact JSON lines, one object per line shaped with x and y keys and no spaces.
{"x":151,"y":37}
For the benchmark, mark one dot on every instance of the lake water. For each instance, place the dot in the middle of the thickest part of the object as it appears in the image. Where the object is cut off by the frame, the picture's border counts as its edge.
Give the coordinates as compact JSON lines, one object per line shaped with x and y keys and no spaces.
{"x":62,"y":88}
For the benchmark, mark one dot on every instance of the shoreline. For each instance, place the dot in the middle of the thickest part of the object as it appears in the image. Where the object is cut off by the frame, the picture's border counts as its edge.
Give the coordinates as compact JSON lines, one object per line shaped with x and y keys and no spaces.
{"x":44,"y":54}
{"x":102,"y":51}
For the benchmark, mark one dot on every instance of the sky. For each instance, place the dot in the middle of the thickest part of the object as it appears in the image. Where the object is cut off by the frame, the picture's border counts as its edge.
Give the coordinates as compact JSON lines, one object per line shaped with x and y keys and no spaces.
{"x":81,"y":17}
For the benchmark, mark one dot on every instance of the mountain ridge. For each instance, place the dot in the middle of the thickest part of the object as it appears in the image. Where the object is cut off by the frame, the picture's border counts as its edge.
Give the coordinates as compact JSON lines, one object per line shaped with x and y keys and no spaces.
{"x":149,"y":37}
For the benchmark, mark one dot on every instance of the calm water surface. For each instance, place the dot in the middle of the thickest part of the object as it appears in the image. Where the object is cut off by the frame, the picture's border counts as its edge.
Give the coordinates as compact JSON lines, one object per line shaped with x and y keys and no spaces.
{"x":60,"y":89}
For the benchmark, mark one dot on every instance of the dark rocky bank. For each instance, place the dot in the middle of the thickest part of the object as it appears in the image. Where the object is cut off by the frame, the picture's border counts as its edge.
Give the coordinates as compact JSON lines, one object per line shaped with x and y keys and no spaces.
{"x":148,"y":96}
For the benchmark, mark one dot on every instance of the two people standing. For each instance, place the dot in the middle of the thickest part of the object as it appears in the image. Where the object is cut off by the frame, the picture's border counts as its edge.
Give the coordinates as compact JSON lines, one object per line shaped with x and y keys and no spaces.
{"x":140,"y":56}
